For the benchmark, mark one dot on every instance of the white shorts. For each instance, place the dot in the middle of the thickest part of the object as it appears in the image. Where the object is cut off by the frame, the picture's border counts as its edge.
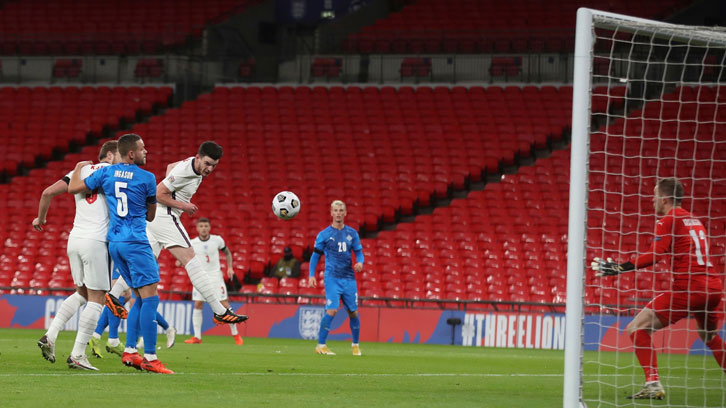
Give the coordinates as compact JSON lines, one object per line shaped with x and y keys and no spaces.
{"x":218,"y":282}
{"x":166,"y":231}
{"x":89,"y":262}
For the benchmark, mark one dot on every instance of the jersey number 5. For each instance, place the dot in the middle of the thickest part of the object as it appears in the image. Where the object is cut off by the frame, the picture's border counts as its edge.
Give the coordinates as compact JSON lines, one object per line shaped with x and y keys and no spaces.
{"x":122,"y":202}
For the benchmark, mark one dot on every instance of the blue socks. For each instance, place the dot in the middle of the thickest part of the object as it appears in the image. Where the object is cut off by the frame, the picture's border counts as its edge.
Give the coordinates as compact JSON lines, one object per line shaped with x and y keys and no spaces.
{"x":324,"y":328}
{"x":107,"y":319}
{"x":355,"y":328}
{"x":132,"y":324}
{"x":102,"y":321}
{"x":148,"y":323}
{"x":161,"y":321}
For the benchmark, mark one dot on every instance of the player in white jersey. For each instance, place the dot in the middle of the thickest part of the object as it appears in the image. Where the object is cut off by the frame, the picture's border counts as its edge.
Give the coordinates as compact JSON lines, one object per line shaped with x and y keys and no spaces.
{"x":207,"y":246}
{"x":174,"y":195}
{"x":88,"y":258}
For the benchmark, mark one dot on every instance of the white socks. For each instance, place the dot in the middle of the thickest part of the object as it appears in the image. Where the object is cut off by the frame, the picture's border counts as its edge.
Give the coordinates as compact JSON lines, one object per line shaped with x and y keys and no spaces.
{"x":233,"y":329}
{"x":68,"y":308}
{"x":197,"y":322}
{"x":200,"y":280}
{"x":119,"y":287}
{"x":86,"y":324}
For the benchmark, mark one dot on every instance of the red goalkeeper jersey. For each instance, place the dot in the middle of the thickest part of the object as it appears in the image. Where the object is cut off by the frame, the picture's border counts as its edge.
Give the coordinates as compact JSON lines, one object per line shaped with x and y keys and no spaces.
{"x":682,"y":237}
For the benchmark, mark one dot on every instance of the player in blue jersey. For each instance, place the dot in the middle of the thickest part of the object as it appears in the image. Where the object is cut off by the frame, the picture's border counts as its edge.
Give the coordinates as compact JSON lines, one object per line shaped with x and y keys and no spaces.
{"x":131,"y":198}
{"x":337,"y":243}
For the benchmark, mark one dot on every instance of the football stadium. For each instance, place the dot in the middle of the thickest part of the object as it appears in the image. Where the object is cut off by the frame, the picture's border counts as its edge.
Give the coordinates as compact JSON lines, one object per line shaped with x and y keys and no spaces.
{"x":394,"y":203}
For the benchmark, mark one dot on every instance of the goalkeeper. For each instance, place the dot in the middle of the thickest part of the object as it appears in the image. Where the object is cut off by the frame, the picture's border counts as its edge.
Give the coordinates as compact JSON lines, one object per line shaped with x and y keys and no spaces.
{"x":696,"y":290}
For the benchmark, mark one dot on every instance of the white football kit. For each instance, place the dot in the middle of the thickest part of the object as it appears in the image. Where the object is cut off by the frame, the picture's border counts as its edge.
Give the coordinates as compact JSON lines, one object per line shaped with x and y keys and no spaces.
{"x":87,"y":248}
{"x":167,"y":230}
{"x":208,"y":252}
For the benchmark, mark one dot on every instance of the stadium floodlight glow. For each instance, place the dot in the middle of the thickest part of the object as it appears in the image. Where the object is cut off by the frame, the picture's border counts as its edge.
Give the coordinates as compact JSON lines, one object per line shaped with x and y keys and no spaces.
{"x":659,"y":66}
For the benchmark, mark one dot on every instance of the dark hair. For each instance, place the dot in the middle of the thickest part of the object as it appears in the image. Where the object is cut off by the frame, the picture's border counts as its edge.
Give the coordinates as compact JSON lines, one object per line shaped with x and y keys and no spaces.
{"x":204,"y":220}
{"x":671,"y":188}
{"x":211,"y":150}
{"x":110,"y":146}
{"x":127,"y":143}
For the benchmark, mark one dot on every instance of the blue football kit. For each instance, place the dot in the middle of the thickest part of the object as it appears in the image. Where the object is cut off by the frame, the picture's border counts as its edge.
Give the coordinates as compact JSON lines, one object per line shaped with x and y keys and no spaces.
{"x":128,"y":189}
{"x":338,"y":246}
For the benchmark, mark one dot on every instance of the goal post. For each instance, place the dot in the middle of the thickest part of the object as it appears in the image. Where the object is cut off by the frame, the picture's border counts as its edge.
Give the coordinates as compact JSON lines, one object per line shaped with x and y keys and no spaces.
{"x":635,"y":63}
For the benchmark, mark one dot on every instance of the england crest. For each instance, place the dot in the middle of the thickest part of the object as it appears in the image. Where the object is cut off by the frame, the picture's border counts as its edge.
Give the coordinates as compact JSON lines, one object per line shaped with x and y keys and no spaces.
{"x":309,"y":322}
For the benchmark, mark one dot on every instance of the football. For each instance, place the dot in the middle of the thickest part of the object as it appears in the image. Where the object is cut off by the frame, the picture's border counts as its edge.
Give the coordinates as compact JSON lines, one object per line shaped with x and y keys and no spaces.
{"x":285,"y":205}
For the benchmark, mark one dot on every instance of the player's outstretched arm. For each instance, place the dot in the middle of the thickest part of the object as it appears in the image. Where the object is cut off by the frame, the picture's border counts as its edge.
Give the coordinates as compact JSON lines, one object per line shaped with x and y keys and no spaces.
{"x":59,"y":187}
{"x":77,"y":185}
{"x":607,"y":267}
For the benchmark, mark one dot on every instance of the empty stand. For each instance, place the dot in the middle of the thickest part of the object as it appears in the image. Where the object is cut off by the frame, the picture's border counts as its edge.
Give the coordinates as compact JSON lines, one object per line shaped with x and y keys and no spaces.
{"x":326,"y":68}
{"x":36,"y":121}
{"x":60,"y":27}
{"x":462,"y":26}
{"x":149,"y":68}
{"x":67,"y":68}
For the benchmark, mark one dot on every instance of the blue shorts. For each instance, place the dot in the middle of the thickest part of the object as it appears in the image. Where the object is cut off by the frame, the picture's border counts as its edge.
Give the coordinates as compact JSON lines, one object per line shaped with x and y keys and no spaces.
{"x":115,"y":273}
{"x":135,"y":262}
{"x":335,"y":289}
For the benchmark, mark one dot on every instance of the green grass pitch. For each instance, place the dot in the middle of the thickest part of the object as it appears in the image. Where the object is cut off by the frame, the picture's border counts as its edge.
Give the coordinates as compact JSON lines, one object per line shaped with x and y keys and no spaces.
{"x":287,"y":373}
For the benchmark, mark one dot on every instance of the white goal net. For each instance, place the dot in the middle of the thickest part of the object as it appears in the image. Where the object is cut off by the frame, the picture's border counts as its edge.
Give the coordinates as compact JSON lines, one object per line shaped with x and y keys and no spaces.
{"x":665,"y":116}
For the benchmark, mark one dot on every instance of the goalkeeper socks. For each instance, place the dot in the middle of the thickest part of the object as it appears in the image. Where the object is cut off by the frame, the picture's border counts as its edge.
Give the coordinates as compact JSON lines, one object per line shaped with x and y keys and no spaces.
{"x":200,"y":280}
{"x":324,"y":328}
{"x":114,"y":322}
{"x":132,"y":324}
{"x":148,"y":324}
{"x":68,"y":308}
{"x":718,"y":347}
{"x":197,"y":323}
{"x":161,"y":321}
{"x":86,"y":323}
{"x":355,"y":328}
{"x":102,"y":323}
{"x":643,"y":346}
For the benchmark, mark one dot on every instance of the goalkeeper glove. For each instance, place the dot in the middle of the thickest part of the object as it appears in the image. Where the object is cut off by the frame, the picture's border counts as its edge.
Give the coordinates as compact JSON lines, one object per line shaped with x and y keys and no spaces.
{"x":609,"y":268}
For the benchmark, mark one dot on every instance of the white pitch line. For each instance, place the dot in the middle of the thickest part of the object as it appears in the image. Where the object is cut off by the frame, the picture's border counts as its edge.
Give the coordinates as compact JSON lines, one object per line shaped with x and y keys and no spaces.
{"x":271,"y":374}
{"x":296,"y":374}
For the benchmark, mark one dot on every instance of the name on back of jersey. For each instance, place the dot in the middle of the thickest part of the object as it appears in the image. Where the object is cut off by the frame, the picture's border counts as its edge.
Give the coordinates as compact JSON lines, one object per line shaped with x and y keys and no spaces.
{"x":123,"y":174}
{"x":691,"y":222}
